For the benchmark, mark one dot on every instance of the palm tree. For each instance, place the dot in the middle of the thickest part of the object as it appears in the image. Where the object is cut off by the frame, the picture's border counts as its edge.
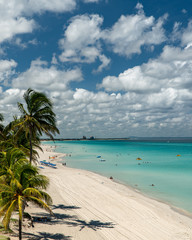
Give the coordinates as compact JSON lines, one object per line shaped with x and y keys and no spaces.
{"x":1,"y":125}
{"x":10,"y":139}
{"x":9,"y":162}
{"x":38,"y":118}
{"x":21,"y":183}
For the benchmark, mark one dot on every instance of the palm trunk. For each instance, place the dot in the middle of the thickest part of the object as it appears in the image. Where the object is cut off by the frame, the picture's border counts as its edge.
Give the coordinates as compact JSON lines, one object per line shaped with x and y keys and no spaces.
{"x":31,"y":148}
{"x":20,"y":229}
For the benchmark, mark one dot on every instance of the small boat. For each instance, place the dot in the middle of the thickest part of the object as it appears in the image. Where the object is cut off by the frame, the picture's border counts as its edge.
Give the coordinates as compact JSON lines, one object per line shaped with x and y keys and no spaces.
{"x":139,"y":159}
{"x":98,"y":156}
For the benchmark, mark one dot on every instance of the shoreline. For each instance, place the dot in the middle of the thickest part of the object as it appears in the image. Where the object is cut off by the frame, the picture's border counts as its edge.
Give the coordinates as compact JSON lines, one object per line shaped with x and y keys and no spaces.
{"x":132,"y":188}
{"x":88,"y":206}
{"x":172,"y":206}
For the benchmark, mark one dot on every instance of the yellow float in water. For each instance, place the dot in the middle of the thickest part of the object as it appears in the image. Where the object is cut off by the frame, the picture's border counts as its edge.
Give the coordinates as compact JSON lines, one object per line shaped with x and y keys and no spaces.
{"x":139,"y":159}
{"x":178,"y":155}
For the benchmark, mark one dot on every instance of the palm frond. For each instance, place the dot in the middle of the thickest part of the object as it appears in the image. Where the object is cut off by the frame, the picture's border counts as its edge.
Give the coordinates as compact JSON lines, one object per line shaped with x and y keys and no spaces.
{"x":21,"y":108}
{"x":28,"y":192}
{"x":41,"y":204}
{"x":46,"y":197}
{"x":4,"y":208}
{"x":39,"y":181}
{"x":8,"y":213}
{"x":4,"y":187}
{"x":20,"y":205}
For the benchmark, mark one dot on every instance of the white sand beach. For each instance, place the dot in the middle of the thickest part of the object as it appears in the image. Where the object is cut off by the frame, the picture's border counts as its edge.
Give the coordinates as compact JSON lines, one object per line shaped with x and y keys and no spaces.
{"x":88,"y":206}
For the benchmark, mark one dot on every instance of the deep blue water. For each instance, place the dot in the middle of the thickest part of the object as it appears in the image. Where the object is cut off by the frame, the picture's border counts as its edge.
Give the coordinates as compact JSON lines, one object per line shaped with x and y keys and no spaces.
{"x":170,"y":174}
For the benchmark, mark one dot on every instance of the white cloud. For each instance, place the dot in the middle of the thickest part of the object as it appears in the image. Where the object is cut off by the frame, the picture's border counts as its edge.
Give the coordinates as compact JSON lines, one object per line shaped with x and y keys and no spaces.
{"x":83,"y":31}
{"x":131,"y":32}
{"x":172,"y":69}
{"x":81,"y":41}
{"x":184,"y":11}
{"x":18,"y":42}
{"x":104,"y":63}
{"x":139,"y":7}
{"x":41,"y":77}
{"x":130,"y":80}
{"x":157,"y":95}
{"x":8,"y":103}
{"x":10,"y":96}
{"x":50,"y":5}
{"x":7,"y":70}
{"x":166,"y":98}
{"x":11,"y":27}
{"x":12,"y":21}
{"x":83,"y":37}
{"x":186,"y":38}
{"x":102,"y":114}
{"x":54,"y":59}
{"x":15,"y":15}
{"x":82,"y":112}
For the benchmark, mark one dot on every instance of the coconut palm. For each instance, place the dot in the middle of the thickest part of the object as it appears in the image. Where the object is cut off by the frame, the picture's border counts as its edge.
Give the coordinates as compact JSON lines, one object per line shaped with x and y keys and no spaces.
{"x":10,"y":161}
{"x":1,"y":125}
{"x":38,"y":118}
{"x":21,"y":183}
{"x":10,"y":139}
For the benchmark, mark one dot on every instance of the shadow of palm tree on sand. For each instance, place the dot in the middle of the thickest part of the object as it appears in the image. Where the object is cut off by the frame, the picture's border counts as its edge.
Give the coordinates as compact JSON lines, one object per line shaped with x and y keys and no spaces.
{"x":47,"y":236}
{"x":93,"y":224}
{"x":66,"y":219}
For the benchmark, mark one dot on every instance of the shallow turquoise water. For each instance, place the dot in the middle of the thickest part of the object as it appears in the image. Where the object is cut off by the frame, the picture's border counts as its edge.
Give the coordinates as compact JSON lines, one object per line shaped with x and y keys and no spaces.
{"x":160,"y":165}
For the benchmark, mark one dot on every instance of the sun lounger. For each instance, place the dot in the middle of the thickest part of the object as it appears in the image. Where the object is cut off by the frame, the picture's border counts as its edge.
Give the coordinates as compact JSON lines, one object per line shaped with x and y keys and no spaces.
{"x":52,"y":164}
{"x":48,"y":164}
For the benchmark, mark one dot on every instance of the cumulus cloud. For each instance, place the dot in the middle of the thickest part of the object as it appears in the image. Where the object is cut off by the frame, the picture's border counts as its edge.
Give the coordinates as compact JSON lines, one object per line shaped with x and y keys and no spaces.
{"x":81,"y":41}
{"x":40,"y":76}
{"x":8,"y":103}
{"x":186,"y":38}
{"x":172,"y":69}
{"x":154,"y":96}
{"x":130,"y":80}
{"x":10,"y":27}
{"x":102,"y":114}
{"x":15,"y":14}
{"x":83,"y":37}
{"x":82,"y":32}
{"x":82,"y":112}
{"x":155,"y":101}
{"x":132,"y":32}
{"x":7,"y":70}
{"x":50,"y":5}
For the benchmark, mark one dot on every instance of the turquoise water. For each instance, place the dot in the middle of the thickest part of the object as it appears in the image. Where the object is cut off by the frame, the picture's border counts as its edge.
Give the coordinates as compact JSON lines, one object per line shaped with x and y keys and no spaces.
{"x":170,"y":174}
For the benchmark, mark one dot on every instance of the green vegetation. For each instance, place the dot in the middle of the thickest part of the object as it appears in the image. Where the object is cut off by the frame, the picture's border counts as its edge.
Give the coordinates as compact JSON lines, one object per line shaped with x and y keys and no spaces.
{"x":20,"y":181}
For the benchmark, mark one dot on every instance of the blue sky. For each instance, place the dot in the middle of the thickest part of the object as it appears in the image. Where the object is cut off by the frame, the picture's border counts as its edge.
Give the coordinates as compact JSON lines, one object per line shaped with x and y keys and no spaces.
{"x":112,"y":68}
